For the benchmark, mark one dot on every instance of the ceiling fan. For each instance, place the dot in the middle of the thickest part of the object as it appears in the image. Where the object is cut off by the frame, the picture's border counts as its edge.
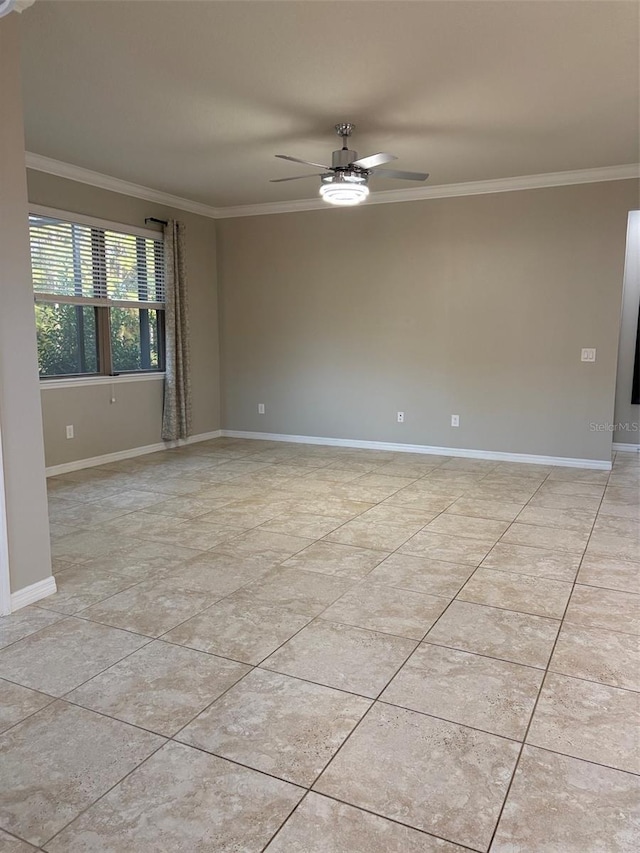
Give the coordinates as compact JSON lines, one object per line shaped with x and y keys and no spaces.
{"x":345,"y":181}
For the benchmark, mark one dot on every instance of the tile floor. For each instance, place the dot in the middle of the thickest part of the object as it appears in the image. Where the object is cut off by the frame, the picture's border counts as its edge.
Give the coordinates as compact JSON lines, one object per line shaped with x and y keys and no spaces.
{"x":301,"y":649}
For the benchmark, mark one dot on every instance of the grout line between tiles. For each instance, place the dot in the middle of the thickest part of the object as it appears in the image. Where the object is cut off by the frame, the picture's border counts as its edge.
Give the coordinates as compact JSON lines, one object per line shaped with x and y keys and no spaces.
{"x":51,"y":698}
{"x":396,"y":821}
{"x":104,"y":794}
{"x":285,"y":821}
{"x":582,"y":760}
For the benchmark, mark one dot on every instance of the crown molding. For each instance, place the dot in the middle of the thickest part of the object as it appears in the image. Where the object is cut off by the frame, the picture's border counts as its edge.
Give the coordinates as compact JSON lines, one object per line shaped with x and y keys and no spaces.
{"x":498,"y":185}
{"x":105,"y":182}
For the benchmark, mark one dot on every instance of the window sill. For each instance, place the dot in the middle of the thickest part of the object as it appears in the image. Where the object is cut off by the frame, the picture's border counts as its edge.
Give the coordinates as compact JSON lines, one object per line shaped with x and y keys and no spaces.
{"x":81,"y":381}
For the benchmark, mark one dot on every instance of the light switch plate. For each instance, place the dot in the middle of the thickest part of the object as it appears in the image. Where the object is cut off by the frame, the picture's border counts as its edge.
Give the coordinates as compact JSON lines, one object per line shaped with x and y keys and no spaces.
{"x":588,"y":354}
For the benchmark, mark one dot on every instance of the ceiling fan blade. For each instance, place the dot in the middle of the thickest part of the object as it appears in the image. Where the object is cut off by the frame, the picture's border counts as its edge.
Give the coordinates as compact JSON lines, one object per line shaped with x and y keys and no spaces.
{"x":374,"y":160}
{"x":296,"y":178}
{"x":403,"y":176}
{"x":305,"y":162}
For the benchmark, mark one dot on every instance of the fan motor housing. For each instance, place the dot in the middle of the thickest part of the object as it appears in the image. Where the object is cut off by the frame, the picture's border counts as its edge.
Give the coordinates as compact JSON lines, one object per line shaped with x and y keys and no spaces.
{"x":343,"y":157}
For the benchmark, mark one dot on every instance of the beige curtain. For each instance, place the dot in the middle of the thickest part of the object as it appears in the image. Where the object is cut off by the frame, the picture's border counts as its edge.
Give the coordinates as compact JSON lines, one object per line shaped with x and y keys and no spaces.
{"x":176,"y":415}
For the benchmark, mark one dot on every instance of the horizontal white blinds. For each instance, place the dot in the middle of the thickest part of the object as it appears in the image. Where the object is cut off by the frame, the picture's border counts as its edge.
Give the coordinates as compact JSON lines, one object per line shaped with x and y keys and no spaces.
{"x":79,"y":263}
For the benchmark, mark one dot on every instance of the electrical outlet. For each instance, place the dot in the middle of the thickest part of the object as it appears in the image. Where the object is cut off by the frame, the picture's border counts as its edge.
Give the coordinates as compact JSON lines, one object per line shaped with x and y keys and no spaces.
{"x":400,"y":417}
{"x":261,"y":408}
{"x":588,"y":354}
{"x":70,"y":431}
{"x":455,"y":420}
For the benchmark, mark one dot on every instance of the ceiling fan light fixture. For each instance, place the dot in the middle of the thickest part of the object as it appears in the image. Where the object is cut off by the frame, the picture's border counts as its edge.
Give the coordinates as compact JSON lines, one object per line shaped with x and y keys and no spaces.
{"x":345,"y":195}
{"x":343,"y":190}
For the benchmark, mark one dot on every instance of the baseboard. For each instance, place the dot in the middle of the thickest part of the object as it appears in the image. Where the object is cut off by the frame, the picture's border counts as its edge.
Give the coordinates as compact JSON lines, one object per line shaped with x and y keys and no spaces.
{"x":499,"y":456}
{"x":131,"y":453}
{"x":565,"y":461}
{"x":626,"y":448}
{"x":33,"y":592}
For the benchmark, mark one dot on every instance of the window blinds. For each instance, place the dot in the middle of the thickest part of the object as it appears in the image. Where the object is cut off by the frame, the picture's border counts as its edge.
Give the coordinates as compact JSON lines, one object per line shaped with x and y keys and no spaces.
{"x":82,"y":264}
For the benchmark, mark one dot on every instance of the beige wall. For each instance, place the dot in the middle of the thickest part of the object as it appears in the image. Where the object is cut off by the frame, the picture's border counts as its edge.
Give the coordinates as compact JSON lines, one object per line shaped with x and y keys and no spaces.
{"x":626,"y":415}
{"x":20,"y":418}
{"x":338,"y":319}
{"x":475,"y":306}
{"x":100,"y":426}
{"x":135,"y":419}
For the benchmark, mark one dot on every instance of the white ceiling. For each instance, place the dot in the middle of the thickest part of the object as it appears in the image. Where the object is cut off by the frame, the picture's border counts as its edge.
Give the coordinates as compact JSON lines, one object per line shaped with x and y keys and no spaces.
{"x":195,"y":98}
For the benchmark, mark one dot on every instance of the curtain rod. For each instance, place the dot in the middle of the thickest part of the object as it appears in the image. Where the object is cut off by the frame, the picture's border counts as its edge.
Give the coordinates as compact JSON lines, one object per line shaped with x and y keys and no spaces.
{"x":153,"y":219}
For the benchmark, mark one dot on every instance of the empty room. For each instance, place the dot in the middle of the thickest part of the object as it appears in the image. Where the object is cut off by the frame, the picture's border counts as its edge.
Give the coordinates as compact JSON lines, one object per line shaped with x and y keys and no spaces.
{"x":319,"y":426}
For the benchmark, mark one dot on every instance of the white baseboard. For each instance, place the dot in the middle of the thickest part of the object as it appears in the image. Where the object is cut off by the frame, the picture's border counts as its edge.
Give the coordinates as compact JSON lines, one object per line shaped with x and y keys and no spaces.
{"x":32,"y":593}
{"x":499,"y":456}
{"x":626,"y":448}
{"x":131,"y":453}
{"x":565,"y":461}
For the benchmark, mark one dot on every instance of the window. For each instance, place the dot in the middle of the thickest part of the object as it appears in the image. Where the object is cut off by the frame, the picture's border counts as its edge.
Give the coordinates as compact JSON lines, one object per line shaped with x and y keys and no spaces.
{"x":99,"y":295}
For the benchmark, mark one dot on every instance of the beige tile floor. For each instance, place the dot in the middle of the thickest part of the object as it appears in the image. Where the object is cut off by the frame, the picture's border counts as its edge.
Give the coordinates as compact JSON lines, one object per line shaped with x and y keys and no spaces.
{"x":301,"y":649}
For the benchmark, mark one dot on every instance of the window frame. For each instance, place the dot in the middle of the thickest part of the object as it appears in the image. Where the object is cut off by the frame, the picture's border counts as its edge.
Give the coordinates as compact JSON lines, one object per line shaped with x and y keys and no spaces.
{"x":105,"y":372}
